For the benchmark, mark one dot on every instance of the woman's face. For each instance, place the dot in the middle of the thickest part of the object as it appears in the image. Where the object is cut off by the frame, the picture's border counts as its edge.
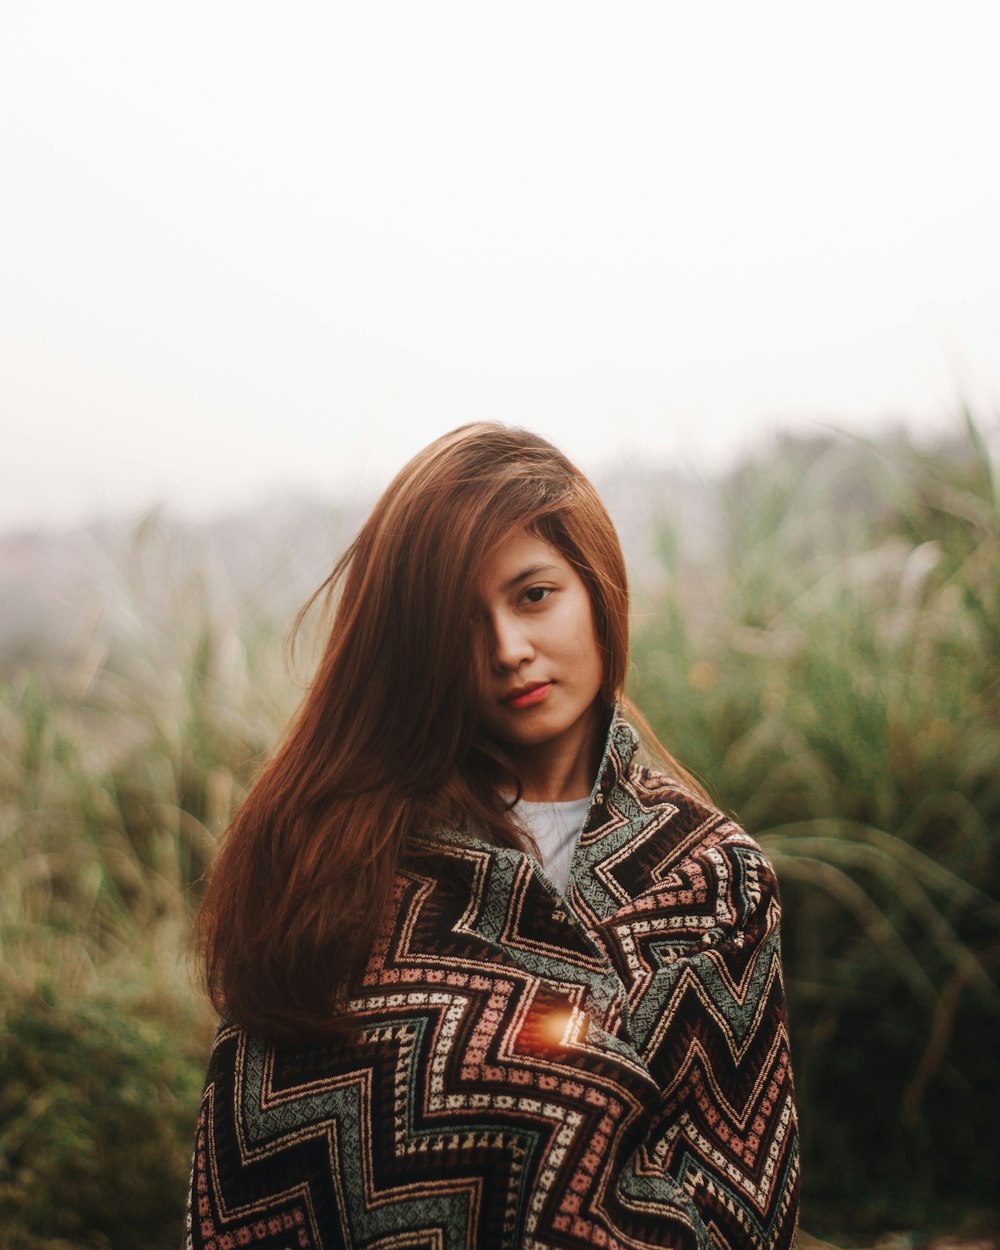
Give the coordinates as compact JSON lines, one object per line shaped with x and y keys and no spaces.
{"x":541,"y":668}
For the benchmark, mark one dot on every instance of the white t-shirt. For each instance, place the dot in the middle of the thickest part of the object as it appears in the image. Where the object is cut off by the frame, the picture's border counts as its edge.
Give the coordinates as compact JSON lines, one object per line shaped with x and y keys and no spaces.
{"x":555,"y":828}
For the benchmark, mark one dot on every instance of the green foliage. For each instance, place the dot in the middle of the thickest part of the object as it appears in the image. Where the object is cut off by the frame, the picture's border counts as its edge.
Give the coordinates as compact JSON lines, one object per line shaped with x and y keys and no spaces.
{"x":94,"y":1102}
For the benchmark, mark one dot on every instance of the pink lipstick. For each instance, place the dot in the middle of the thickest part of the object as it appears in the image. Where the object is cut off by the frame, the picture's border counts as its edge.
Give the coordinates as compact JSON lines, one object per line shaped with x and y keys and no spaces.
{"x":528,"y":696}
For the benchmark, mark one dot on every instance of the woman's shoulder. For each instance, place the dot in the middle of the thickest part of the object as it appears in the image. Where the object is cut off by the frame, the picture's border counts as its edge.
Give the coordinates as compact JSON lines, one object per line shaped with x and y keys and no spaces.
{"x":686,"y":808}
{"x":654,"y":832}
{"x":633,"y":780}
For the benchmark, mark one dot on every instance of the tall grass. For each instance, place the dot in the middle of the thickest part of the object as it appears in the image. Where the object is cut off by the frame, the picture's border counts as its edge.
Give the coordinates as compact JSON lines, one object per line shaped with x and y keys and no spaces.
{"x":832,"y":671}
{"x":120,"y":765}
{"x":837,"y":680}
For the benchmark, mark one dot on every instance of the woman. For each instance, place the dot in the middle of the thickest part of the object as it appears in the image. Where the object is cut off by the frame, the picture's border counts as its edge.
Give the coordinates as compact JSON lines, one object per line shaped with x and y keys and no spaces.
{"x":485,"y":979}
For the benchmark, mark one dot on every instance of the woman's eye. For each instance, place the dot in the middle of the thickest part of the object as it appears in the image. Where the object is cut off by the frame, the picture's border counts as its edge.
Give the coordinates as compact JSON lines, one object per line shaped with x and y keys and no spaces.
{"x":535,"y":594}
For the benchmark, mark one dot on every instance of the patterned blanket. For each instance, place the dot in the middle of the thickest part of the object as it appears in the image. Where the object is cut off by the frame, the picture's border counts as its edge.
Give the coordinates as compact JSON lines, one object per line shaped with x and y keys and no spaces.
{"x":609,"y":1068}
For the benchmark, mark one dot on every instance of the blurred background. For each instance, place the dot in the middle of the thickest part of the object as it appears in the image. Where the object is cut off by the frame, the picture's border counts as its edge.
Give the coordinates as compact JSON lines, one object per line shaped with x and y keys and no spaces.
{"x":741,"y":263}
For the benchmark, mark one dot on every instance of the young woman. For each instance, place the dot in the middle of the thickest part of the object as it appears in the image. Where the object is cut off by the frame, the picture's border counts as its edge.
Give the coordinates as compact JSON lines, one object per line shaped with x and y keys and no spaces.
{"x":486,"y":980}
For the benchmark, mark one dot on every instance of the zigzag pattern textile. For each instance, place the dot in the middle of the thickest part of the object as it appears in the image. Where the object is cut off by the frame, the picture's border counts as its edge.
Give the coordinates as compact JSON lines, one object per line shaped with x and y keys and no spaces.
{"x":527,"y":1070}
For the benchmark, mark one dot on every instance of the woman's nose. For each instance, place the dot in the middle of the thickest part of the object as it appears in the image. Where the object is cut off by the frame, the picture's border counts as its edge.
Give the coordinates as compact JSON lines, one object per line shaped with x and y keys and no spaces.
{"x":511,"y":646}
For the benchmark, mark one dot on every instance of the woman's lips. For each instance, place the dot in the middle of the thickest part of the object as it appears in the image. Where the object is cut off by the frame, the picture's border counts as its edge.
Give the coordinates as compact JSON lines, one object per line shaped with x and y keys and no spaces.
{"x":528,"y":696}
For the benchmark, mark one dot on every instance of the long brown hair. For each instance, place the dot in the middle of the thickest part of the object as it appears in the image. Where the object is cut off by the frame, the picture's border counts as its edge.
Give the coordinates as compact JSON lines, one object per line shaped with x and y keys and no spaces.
{"x":385,"y":743}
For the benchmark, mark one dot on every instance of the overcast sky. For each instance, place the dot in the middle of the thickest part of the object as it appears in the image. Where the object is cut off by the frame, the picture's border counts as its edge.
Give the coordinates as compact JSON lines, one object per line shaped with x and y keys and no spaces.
{"x":248,"y":247}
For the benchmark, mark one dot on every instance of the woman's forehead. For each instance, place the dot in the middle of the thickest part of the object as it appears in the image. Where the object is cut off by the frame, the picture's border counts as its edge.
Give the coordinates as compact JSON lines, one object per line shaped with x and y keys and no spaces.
{"x":517,"y":557}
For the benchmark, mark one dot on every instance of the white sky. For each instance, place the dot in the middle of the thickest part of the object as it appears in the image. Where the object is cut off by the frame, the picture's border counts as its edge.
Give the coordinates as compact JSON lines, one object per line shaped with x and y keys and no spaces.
{"x":247,"y":246}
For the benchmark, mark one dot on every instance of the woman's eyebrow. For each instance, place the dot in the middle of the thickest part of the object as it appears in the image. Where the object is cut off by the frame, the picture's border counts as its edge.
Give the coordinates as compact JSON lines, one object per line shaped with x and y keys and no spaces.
{"x":530,"y":571}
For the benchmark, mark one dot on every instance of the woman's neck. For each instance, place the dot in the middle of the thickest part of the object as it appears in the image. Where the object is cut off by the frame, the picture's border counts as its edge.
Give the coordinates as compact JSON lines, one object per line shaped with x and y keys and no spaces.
{"x":563,"y":769}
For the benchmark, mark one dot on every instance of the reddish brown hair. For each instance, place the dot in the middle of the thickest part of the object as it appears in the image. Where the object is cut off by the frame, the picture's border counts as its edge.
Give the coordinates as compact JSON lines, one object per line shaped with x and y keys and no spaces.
{"x":385,"y":743}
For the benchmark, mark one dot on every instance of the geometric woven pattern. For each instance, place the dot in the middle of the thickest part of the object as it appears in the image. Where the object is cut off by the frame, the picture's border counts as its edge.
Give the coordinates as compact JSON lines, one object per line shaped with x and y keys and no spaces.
{"x":609,"y":1068}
